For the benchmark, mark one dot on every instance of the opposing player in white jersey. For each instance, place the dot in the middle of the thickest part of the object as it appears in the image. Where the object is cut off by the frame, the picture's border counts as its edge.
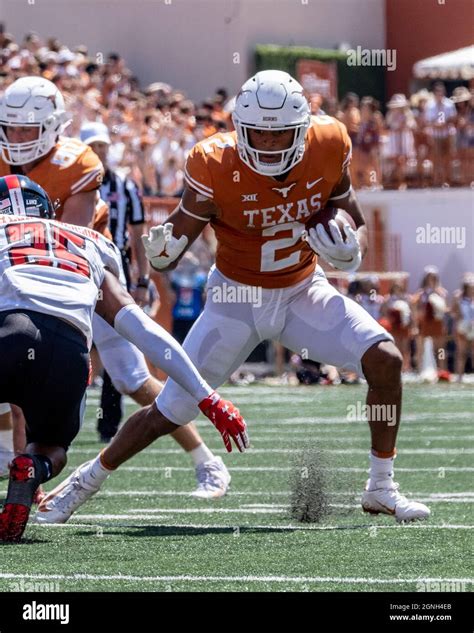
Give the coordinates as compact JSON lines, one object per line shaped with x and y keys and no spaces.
{"x":52,"y":277}
{"x":32,"y":120}
{"x":259,"y":187}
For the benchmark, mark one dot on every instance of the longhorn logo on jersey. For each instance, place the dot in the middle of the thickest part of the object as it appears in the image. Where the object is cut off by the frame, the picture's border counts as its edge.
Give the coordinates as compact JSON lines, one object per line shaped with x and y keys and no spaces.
{"x":284,"y":190}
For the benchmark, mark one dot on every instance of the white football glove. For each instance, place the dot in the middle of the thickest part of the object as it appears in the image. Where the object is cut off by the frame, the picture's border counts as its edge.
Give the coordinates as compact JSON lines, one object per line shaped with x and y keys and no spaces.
{"x":342,"y":255}
{"x":161,"y":247}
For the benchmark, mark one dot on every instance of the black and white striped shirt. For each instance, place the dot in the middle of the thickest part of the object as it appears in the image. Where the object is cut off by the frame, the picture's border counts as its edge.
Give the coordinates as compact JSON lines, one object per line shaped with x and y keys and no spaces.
{"x":125,"y":205}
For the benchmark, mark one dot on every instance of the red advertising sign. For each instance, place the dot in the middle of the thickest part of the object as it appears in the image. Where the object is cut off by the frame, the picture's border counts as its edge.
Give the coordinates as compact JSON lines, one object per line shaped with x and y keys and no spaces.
{"x":317,"y":77}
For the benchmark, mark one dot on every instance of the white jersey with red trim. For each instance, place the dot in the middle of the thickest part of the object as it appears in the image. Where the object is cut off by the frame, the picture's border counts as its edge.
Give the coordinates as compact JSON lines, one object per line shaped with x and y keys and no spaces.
{"x":54,"y":268}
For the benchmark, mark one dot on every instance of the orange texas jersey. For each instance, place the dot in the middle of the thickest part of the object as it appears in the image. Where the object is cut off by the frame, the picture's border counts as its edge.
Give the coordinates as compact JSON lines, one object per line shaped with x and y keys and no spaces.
{"x":71,"y":167}
{"x":262,"y":219}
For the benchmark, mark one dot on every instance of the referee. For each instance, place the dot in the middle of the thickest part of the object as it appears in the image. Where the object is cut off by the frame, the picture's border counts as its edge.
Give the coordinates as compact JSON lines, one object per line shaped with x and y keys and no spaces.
{"x":127,"y":224}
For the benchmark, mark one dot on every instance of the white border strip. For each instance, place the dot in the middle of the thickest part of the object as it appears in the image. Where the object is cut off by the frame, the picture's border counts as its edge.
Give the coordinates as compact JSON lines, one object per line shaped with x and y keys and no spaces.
{"x":189,"y":578}
{"x":272,"y":469}
{"x":203,"y":189}
{"x":193,"y":215}
{"x":85,"y":180}
{"x":292,"y":451}
{"x":75,"y":522}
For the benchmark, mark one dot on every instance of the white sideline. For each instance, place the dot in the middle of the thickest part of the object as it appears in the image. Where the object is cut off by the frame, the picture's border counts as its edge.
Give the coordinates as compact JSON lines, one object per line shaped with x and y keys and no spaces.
{"x":268,"y":508}
{"x":342,"y":469}
{"x":328,"y":436}
{"x":338,"y":419}
{"x":184,"y":577}
{"x":75,"y":522}
{"x":332,"y":451}
{"x":165,"y":515}
{"x":260,"y":493}
{"x":265,"y":431}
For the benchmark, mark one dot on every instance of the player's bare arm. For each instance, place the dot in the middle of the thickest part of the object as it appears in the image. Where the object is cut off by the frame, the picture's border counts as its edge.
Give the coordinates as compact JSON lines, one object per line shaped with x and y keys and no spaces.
{"x":80,"y":209}
{"x":112,"y":298}
{"x":166,"y":244}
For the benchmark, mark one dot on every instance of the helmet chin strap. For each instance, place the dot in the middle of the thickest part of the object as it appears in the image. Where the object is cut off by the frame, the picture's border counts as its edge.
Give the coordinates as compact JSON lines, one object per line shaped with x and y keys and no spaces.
{"x":284,"y":162}
{"x":284,"y":175}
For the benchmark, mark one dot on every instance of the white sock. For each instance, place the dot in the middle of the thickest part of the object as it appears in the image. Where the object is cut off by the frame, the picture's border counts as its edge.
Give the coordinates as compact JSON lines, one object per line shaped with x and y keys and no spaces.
{"x":201,"y":454}
{"x":381,"y":469}
{"x":5,"y":408}
{"x":6,"y":440}
{"x":96,"y":473}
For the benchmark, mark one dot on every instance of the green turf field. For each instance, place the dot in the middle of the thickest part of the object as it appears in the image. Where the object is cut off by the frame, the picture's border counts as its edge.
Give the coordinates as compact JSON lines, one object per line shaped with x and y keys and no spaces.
{"x":143,"y":533}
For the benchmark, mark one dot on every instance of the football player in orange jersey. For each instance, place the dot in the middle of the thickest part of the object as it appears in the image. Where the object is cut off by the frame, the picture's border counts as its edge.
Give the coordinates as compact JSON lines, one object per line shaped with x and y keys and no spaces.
{"x":32,"y":119}
{"x":258,"y":187}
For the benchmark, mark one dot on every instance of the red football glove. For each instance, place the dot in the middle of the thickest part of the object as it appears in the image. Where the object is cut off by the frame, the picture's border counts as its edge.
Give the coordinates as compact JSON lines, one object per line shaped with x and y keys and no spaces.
{"x":227,"y":420}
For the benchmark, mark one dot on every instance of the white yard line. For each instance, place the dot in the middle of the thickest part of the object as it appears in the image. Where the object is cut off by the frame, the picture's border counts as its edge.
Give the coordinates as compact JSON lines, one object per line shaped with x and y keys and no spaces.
{"x":190,"y":578}
{"x":271,"y":469}
{"x":339,"y":419}
{"x":266,"y":508}
{"x":276,"y":509}
{"x":427,"y":451}
{"x":260,"y":493}
{"x":428,"y":498}
{"x":328,"y":436}
{"x":267,"y":431}
{"x":75,"y":522}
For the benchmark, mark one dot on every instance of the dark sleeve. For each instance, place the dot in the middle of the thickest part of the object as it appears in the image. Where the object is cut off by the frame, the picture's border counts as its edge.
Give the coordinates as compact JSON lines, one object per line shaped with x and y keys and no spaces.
{"x":135,"y":209}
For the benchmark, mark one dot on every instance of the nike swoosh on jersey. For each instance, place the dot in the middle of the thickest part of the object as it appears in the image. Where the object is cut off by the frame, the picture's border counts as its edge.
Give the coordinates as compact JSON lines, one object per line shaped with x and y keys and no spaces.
{"x":310,"y":185}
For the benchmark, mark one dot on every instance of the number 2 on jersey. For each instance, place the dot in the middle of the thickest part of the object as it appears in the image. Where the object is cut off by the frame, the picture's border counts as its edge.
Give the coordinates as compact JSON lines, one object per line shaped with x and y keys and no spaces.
{"x":46,"y":245}
{"x":269,"y":263}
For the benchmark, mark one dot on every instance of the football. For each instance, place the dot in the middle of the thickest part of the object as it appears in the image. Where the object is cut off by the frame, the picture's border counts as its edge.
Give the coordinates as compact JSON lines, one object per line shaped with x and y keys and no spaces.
{"x":331,"y":213}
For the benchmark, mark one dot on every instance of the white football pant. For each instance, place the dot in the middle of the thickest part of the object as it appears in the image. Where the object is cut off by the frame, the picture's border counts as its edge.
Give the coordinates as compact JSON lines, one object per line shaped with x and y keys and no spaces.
{"x":310,"y":318}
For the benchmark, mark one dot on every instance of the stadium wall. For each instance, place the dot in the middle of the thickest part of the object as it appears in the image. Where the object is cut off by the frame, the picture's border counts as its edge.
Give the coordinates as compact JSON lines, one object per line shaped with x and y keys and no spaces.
{"x":430,"y":227}
{"x":197,"y":45}
{"x":417,"y":29}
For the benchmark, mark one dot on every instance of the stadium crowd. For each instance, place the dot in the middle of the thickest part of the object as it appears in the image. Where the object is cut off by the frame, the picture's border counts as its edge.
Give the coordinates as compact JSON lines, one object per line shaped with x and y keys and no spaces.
{"x":433,"y":329}
{"x":429,"y":312}
{"x":424,"y":140}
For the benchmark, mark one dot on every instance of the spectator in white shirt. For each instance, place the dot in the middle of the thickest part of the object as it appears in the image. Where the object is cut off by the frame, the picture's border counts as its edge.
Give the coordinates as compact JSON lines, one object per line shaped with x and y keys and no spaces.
{"x":440,"y":116}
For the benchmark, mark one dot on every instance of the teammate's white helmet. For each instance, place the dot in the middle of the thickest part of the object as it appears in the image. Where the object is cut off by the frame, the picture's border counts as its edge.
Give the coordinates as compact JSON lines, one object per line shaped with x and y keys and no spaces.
{"x":31,"y":102}
{"x":271,"y":100}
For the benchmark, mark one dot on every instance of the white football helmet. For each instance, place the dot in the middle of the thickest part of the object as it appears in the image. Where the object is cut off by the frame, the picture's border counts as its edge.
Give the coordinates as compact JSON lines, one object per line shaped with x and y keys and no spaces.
{"x":271,"y":100}
{"x":31,"y":102}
